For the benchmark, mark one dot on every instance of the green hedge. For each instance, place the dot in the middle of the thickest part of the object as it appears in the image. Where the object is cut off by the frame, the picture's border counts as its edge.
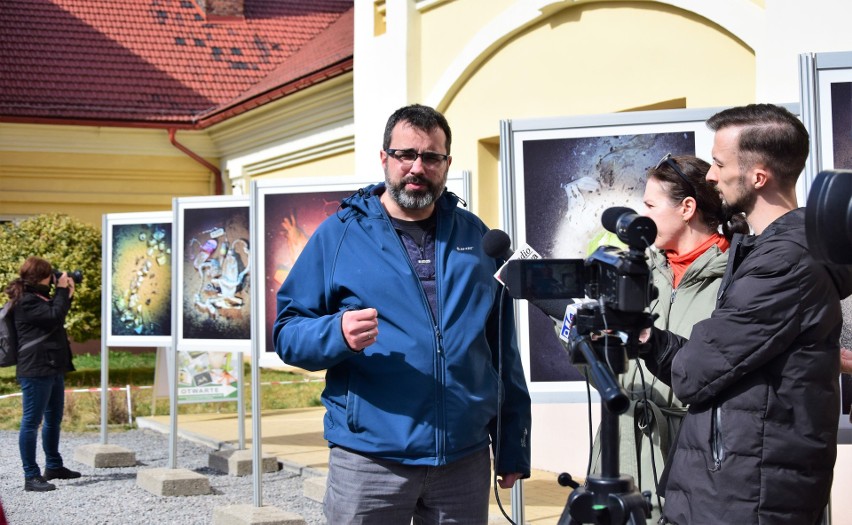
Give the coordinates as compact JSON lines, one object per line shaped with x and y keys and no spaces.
{"x":69,"y":244}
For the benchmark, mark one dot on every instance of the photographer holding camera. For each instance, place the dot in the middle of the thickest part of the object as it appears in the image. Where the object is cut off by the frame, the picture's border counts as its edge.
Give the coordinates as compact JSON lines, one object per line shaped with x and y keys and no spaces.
{"x":759,"y":441}
{"x":44,"y":358}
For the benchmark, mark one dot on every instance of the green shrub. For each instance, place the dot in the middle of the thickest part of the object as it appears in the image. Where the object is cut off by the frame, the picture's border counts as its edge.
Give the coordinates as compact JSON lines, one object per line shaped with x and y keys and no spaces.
{"x":69,"y":244}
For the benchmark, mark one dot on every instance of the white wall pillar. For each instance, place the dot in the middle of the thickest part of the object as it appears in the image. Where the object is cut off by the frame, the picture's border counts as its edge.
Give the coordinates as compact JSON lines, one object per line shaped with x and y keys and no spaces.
{"x":386,"y":75}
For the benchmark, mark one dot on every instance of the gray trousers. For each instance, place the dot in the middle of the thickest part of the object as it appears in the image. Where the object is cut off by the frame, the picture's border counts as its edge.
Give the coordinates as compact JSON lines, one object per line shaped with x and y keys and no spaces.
{"x":365,"y":490}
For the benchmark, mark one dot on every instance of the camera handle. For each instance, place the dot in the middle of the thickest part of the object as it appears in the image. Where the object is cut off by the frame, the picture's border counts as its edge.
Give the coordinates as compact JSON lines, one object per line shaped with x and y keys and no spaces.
{"x":611,"y":497}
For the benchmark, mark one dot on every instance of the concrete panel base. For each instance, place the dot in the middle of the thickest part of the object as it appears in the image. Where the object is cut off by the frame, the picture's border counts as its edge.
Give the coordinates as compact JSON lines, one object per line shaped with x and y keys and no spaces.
{"x":173,"y":482}
{"x":314,"y":488}
{"x":251,"y":515}
{"x":104,"y":456}
{"x":239,"y":462}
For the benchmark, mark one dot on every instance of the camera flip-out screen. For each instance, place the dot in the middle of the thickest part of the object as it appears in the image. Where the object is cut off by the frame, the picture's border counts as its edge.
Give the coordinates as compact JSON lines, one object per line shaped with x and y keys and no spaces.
{"x":545,"y":278}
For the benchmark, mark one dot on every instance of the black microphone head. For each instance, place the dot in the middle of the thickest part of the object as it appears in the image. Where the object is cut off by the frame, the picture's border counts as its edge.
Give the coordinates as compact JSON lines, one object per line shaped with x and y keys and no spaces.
{"x":610,"y":216}
{"x":497,"y":244}
{"x":637,"y":231}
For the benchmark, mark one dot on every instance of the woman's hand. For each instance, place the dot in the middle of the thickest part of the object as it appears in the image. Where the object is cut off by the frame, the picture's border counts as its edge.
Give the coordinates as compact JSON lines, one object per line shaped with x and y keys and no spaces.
{"x":66,"y":282}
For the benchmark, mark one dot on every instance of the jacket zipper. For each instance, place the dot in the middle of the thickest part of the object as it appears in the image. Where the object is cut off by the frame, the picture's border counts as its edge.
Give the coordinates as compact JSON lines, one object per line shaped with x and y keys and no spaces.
{"x":717,"y":447}
{"x":440,"y":366}
{"x":439,"y":338}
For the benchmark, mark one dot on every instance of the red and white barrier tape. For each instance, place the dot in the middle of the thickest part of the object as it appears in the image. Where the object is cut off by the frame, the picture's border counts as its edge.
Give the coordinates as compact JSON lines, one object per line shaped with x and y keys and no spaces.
{"x":124,"y":389}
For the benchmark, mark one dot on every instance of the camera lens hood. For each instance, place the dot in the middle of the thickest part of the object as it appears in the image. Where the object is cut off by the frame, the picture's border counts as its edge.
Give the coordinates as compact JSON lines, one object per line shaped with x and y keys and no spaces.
{"x":828,"y":217}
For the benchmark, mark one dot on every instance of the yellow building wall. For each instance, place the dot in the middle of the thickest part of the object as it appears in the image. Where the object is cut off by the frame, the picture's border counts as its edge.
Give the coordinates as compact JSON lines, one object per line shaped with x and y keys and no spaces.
{"x":445,"y":30}
{"x":86,"y":186}
{"x":340,"y":165}
{"x":592,"y":58}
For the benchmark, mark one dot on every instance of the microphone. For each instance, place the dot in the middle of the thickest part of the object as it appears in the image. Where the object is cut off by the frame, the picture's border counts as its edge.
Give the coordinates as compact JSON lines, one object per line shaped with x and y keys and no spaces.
{"x":610,"y":217}
{"x":497,"y":244}
{"x":637,"y":231}
{"x":571,"y":316}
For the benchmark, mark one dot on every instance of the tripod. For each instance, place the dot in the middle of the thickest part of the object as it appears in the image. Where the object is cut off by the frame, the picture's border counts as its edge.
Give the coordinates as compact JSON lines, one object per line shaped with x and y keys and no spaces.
{"x":608,"y":497}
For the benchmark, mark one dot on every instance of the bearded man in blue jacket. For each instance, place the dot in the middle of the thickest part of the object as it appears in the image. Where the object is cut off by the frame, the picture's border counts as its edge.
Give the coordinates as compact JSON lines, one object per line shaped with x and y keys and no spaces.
{"x":396,"y":299}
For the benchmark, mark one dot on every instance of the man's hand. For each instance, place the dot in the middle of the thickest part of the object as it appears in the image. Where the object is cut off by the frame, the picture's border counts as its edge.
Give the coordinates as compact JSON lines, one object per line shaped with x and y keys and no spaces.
{"x":360,"y":328}
{"x":507,"y":481}
{"x":845,"y":361}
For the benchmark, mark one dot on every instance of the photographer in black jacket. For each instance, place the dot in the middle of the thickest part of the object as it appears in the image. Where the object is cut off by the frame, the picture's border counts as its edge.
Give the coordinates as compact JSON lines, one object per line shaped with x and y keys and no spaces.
{"x":44,"y":358}
{"x":759,"y":441}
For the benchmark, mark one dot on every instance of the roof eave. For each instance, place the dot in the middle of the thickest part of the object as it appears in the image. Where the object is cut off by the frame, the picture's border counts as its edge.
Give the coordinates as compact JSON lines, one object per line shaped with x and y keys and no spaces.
{"x":241,"y":106}
{"x":118,"y":123}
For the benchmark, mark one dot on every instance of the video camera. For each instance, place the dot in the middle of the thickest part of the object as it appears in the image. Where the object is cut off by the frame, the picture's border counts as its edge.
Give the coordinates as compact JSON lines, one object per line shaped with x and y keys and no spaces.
{"x":828,"y":217}
{"x":620,"y":280}
{"x":620,"y":283}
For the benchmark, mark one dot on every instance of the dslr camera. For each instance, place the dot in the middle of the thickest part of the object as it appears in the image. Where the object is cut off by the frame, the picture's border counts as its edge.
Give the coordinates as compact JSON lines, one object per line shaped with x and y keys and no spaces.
{"x":76,"y":275}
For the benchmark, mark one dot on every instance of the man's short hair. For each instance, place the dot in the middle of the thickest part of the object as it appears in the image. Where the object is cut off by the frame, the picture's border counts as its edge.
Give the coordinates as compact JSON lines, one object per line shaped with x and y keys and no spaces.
{"x":420,"y":117}
{"x":771,"y":136}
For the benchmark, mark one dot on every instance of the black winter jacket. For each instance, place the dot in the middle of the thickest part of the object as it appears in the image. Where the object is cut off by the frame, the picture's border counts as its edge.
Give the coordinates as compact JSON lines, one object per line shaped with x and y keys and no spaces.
{"x":759,"y":442}
{"x":36,"y":315}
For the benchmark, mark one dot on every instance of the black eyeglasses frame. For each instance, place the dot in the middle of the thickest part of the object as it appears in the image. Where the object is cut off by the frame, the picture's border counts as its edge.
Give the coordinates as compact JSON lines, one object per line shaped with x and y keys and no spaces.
{"x":429,"y":158}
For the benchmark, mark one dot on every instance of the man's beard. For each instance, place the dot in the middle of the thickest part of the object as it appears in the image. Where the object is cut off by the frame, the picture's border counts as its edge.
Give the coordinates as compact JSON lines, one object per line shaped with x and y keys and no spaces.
{"x":413,"y":200}
{"x":743,"y":201}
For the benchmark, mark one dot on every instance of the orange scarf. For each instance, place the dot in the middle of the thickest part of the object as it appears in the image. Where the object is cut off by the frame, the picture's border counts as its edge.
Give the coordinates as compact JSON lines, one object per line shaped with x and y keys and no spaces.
{"x":679,"y":263}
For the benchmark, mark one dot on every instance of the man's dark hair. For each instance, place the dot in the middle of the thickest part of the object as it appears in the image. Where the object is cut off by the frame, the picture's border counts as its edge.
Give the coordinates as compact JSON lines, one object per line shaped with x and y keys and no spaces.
{"x":771,"y":136}
{"x":420,"y":117}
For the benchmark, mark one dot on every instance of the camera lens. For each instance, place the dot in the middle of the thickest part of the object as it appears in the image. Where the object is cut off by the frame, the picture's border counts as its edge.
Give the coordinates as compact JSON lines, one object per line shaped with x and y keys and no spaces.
{"x":76,"y":275}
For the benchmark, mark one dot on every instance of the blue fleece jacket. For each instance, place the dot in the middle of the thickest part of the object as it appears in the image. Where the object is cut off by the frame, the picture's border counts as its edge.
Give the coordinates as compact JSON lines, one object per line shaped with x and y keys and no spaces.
{"x":426,"y":393}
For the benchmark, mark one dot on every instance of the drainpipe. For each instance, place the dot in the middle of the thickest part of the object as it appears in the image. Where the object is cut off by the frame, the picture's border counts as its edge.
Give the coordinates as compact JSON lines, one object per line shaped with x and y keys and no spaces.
{"x":217,"y":173}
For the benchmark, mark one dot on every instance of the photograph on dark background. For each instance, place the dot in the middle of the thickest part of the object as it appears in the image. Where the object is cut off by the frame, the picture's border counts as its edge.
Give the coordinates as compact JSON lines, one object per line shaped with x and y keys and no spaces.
{"x":289,"y":221}
{"x":568,"y":183}
{"x":141,"y":279}
{"x":841,"y":124}
{"x":215,"y":278}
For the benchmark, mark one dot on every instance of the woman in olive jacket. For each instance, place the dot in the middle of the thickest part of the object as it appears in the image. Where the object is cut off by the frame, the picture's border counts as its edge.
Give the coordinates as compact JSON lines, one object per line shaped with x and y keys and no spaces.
{"x":687,"y":263}
{"x":44,"y":357}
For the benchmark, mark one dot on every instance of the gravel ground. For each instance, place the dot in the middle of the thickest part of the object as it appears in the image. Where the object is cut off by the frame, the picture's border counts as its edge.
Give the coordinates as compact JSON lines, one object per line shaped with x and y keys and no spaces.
{"x":110,"y":495}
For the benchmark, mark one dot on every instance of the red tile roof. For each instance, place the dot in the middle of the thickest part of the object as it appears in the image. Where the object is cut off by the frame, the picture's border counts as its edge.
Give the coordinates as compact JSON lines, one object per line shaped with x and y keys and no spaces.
{"x":160,"y":62}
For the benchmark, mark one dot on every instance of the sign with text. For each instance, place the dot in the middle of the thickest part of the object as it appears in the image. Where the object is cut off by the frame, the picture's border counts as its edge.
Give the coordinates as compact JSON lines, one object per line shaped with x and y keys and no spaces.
{"x":205,"y":377}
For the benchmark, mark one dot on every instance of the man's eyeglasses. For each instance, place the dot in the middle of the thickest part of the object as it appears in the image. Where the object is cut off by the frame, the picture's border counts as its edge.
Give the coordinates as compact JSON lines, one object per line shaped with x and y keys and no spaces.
{"x":667,"y":159}
{"x":409,"y":156}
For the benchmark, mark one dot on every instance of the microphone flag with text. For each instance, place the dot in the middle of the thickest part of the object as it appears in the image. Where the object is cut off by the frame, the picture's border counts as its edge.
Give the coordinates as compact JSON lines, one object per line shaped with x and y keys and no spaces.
{"x":524,"y":278}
